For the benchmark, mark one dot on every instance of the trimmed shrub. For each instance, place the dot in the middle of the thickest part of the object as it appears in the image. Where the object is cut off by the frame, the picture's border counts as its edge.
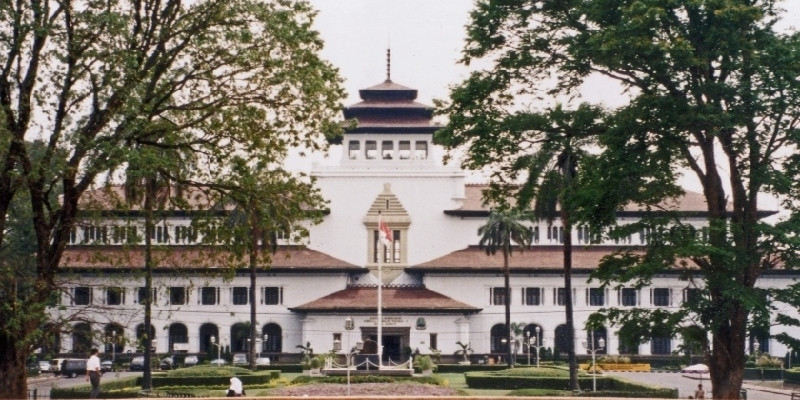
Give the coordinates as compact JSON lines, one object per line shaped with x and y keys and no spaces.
{"x":428,"y":380}
{"x":459,"y":369}
{"x":518,"y":380}
{"x":770,"y":374}
{"x":83,"y":393}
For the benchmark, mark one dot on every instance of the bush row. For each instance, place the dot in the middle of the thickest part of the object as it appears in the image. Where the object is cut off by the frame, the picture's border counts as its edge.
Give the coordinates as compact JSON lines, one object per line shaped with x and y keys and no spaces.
{"x":495,"y":380}
{"x":771,"y":374}
{"x":429,"y":380}
{"x":791,"y":376}
{"x":459,"y":369}
{"x":219,"y":381}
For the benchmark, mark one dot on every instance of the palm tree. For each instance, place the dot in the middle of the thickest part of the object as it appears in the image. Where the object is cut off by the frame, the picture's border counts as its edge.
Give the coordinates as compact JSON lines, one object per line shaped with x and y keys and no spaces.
{"x":503,"y":228}
{"x":552,"y":184}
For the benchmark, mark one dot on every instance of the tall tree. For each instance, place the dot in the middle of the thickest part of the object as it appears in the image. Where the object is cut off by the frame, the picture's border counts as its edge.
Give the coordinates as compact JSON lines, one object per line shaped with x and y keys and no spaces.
{"x":503,"y":228}
{"x":712,"y":89}
{"x":230,"y":76}
{"x":534,"y":159}
{"x":269,"y":205}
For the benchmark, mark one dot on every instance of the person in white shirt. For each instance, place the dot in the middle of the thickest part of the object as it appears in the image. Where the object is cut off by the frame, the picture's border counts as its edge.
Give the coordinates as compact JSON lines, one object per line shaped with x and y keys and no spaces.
{"x":93,"y":373}
{"x":236,"y":389}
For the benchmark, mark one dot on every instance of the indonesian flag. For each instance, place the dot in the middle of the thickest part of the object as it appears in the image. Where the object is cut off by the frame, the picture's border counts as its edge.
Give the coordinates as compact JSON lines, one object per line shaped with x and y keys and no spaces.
{"x":384,"y":232}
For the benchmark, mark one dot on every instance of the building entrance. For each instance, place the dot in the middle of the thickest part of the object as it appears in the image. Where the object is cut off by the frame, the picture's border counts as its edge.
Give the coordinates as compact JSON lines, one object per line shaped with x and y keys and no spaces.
{"x":395,"y":340}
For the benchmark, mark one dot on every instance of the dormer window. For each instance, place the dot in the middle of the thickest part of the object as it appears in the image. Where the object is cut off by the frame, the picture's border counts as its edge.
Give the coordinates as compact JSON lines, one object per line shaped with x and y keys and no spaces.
{"x":405,"y":150}
{"x":387,"y":149}
{"x":371,"y":149}
{"x":354,"y":148}
{"x":421,"y":150}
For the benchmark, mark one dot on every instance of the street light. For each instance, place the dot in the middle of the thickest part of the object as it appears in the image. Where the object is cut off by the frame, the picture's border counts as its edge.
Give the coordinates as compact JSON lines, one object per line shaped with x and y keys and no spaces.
{"x":537,"y":341}
{"x":113,"y":345}
{"x":528,"y":343}
{"x":219,"y":347}
{"x":592,"y":349}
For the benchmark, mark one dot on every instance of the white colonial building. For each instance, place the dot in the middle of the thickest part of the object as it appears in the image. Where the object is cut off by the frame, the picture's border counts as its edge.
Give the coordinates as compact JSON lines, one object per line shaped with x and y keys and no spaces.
{"x":438,"y":288}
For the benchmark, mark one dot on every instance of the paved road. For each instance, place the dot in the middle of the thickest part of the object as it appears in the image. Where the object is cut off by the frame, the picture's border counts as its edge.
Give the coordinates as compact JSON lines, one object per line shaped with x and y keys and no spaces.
{"x":686,"y":386}
{"x":44,"y":383}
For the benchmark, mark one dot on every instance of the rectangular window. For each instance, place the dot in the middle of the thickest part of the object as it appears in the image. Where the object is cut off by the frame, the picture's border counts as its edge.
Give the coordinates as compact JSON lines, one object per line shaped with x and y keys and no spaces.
{"x":272,"y":295}
{"x":177,"y":295}
{"x":82,"y":296}
{"x":353,"y":149}
{"x":387,"y":149}
{"x":142,"y":294}
{"x":535,"y":234}
{"x":533,"y":296}
{"x":371,"y":149}
{"x":434,"y":341}
{"x":662,"y":297}
{"x":561,"y":296}
{"x":208,"y":296}
{"x":691,"y":295}
{"x":629,"y":297}
{"x":596,"y":296}
{"x":391,"y":251}
{"x":115,"y":296}
{"x":73,"y":235}
{"x":497,"y":296}
{"x":241,"y":296}
{"x":405,"y":150}
{"x":162,"y":234}
{"x":421,"y":150}
{"x":660,"y":345}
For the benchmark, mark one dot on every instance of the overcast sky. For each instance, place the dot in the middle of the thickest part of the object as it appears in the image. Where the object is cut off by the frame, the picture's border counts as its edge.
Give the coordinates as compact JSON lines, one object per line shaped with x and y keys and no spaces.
{"x":426,"y":38}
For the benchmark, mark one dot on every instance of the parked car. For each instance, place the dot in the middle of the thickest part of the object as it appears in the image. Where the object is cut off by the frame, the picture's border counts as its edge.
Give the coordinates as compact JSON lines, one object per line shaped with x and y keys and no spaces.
{"x":218,"y":362}
{"x":45,"y":366}
{"x":167,"y":363}
{"x":73,"y":367}
{"x":137,"y":363}
{"x":190,"y":361}
{"x":106,"y":366}
{"x":262,"y":361}
{"x":55,"y":365}
{"x":240,"y":359}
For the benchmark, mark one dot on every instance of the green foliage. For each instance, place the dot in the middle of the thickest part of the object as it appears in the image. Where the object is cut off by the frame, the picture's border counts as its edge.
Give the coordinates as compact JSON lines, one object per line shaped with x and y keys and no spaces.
{"x":428,"y":380}
{"x":542,"y":378}
{"x":201,"y":82}
{"x":700,"y":82}
{"x":424,"y":363}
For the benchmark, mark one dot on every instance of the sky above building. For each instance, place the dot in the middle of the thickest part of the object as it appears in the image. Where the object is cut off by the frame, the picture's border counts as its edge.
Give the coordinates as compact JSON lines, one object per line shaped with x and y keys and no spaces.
{"x":426,"y":39}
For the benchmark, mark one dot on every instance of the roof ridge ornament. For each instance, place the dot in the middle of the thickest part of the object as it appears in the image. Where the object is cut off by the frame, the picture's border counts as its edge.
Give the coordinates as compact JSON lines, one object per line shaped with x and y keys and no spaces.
{"x":388,"y":64}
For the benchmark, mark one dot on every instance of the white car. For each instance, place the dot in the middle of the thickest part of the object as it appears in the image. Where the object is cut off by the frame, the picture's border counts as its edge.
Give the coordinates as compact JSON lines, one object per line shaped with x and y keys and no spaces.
{"x":45,"y":366}
{"x":219,"y":362}
{"x":262,"y":361}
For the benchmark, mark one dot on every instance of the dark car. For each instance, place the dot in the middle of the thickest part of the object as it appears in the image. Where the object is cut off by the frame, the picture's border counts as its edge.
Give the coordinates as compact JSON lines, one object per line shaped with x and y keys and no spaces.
{"x":137,"y":364}
{"x":73,"y":367}
{"x":167,"y":363}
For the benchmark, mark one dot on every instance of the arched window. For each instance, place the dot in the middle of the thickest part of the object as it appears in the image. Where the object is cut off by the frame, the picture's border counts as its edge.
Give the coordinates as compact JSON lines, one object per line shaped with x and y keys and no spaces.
{"x":140,"y":332}
{"x":239,"y":334}
{"x":561,"y":339}
{"x":51,"y":345}
{"x":114,"y":338}
{"x":599,"y":334}
{"x":274,"y":333}
{"x":178,"y":334}
{"x":81,"y":338}
{"x":498,"y":335}
{"x":207,"y":331}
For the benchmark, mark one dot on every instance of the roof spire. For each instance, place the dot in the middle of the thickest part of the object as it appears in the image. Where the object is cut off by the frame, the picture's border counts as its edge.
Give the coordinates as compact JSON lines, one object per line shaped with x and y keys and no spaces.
{"x":388,"y":64}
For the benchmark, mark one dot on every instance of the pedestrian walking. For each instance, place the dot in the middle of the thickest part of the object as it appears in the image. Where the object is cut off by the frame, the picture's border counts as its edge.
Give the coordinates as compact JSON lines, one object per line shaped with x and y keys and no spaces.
{"x":93,"y":373}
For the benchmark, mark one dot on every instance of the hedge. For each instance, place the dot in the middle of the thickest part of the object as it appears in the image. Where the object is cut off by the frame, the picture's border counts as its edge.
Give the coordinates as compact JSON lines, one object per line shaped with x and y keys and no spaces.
{"x":791,"y":376}
{"x":760,"y":374}
{"x":162,"y":381}
{"x":460,"y":369}
{"x":495,"y":380}
{"x":428,"y":380}
{"x":83,"y":393}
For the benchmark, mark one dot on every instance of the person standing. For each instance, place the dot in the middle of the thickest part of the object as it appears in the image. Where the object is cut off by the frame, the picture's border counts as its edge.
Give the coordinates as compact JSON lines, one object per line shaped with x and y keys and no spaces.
{"x":700,"y":393}
{"x":93,"y":373}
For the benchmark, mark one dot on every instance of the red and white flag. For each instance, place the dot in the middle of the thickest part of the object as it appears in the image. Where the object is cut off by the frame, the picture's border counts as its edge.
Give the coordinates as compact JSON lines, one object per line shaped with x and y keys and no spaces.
{"x":384,"y":232}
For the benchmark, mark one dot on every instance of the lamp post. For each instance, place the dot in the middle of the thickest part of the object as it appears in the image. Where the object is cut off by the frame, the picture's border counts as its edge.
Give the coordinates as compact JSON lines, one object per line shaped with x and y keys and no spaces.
{"x":219,"y":346}
{"x":528,"y":343}
{"x":537,"y":340}
{"x":594,"y":349}
{"x":113,"y":346}
{"x":264,"y":343}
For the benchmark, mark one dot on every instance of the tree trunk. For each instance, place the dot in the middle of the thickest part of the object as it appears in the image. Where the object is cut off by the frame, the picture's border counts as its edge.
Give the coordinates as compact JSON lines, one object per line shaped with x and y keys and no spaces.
{"x":253,"y":264}
{"x":506,"y":281}
{"x":570,"y":339}
{"x":13,"y":374}
{"x":147,"y":383}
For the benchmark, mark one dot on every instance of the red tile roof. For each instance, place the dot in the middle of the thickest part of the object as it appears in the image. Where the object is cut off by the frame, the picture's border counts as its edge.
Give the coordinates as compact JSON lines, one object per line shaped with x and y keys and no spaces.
{"x":549,"y":258}
{"x":395,"y":299}
{"x":287,"y":258}
{"x":689,"y":202}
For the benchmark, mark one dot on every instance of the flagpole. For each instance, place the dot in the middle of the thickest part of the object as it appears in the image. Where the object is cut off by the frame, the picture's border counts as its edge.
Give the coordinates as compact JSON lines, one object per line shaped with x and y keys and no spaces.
{"x":382,"y":249}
